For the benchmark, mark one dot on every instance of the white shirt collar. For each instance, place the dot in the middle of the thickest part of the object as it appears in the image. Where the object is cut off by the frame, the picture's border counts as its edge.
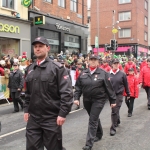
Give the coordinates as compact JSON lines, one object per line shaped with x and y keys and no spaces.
{"x":41,"y":62}
{"x":93,"y":71}
{"x":111,"y":71}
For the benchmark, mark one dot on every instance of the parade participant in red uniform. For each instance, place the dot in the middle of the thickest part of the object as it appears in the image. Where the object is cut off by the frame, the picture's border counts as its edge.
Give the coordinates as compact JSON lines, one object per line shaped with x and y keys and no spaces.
{"x":128,"y":65}
{"x":134,"y":91}
{"x":144,"y":63}
{"x":144,"y":80}
{"x":105,"y":66}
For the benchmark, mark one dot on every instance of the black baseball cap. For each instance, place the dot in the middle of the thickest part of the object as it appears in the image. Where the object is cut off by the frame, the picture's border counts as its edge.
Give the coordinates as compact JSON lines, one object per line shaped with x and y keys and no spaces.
{"x":61,"y":61}
{"x":115,"y":61}
{"x":94,"y":57}
{"x":41,"y":40}
{"x":130,"y":69}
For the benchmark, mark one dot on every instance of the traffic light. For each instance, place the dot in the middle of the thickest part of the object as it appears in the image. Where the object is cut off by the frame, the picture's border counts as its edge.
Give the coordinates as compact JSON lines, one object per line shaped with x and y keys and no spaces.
{"x":116,"y":45}
{"x":113,"y":44}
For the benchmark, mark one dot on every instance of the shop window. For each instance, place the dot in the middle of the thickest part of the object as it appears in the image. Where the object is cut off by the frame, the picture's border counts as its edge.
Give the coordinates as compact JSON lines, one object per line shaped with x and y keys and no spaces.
{"x":70,"y":39}
{"x":124,"y":1}
{"x":8,"y":4}
{"x":124,"y":33}
{"x":123,"y":16}
{"x":73,"y":5}
{"x":62,"y":3}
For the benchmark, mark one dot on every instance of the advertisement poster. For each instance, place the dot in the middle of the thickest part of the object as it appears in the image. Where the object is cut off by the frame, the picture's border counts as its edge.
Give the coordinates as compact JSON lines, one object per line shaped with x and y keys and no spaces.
{"x":4,"y":91}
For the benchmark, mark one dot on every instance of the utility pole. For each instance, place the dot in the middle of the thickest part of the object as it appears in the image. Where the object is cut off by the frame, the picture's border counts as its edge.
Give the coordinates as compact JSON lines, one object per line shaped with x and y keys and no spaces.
{"x":98,"y":24}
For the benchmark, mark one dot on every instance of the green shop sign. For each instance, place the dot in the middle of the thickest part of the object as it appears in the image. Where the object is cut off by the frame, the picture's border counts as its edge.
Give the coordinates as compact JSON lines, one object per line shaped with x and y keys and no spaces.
{"x":39,"y":20}
{"x":26,"y":3}
{"x":9,"y":28}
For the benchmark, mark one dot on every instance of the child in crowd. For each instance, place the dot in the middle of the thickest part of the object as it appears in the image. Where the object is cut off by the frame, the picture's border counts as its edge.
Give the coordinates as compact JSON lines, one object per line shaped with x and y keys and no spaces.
{"x":134,"y":91}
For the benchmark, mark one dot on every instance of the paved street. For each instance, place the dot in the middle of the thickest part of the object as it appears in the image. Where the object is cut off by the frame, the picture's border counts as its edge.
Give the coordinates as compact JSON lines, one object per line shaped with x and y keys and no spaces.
{"x":132,"y":134}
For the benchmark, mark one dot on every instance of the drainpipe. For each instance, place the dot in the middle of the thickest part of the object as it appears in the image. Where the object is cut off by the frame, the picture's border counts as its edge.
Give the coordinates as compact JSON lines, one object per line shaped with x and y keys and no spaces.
{"x":83,"y":12}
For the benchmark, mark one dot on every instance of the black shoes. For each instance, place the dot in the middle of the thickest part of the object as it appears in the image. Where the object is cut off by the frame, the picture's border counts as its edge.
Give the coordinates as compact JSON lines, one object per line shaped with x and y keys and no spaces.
{"x":86,"y":148}
{"x":112,"y":132}
{"x":148,"y":107}
{"x":129,"y":115}
{"x":15,"y":111}
{"x":97,"y":139}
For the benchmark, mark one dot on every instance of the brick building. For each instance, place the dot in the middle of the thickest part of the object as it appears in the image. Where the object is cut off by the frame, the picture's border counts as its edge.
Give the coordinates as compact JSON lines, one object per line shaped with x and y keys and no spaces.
{"x":65,"y":24}
{"x":131,"y":18}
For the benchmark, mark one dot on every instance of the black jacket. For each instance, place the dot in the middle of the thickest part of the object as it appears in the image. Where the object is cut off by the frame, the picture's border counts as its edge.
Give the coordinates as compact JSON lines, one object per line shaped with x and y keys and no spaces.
{"x":15,"y":81}
{"x":94,"y":87}
{"x":48,"y":90}
{"x":119,"y":82}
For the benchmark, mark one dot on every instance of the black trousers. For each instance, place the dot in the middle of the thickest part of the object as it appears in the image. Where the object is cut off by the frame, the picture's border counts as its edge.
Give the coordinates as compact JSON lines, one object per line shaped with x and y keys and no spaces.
{"x":94,"y":109}
{"x":16,"y":99}
{"x":147,"y":89}
{"x":130,"y":104}
{"x":115,"y":117}
{"x":43,"y":133}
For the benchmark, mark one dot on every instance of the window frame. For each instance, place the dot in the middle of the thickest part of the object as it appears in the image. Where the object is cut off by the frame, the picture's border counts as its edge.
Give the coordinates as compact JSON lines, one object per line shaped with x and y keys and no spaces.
{"x":146,"y":5}
{"x":123,"y":33}
{"x":48,"y":2}
{"x":124,"y":2}
{"x":14,"y":5}
{"x":123,"y":15}
{"x":61,"y":5}
{"x":145,"y":35}
{"x":146,"y":21}
{"x":74,"y":3}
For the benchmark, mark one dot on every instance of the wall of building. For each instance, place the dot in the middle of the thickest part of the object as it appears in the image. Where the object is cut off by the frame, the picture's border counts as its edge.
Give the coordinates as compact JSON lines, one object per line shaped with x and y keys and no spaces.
{"x":106,"y":8}
{"x":55,"y":10}
{"x":23,"y":11}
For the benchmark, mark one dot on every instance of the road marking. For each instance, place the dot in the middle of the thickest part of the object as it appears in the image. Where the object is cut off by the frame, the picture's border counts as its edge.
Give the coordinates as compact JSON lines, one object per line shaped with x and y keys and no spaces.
{"x":12,"y":132}
{"x":19,"y":130}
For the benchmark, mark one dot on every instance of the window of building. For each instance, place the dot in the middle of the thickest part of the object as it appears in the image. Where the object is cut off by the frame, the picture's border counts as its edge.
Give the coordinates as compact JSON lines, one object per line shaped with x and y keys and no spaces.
{"x":146,"y":21}
{"x":123,"y":33}
{"x":146,"y":5}
{"x":145,"y":36}
{"x":123,"y":16}
{"x":50,"y":1}
{"x":124,"y":1}
{"x":8,"y":4}
{"x":61,"y":3}
{"x":73,"y":5}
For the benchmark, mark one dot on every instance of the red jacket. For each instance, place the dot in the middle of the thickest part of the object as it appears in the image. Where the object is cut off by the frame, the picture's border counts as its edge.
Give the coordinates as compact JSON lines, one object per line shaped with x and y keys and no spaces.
{"x":130,"y":65}
{"x":1,"y":71}
{"x":144,"y":77}
{"x":120,"y":67}
{"x":143,"y":64}
{"x":106,"y":67}
{"x":133,"y":86}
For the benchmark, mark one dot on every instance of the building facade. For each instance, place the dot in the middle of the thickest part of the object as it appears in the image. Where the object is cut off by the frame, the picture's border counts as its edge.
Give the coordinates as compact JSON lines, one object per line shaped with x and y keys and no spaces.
{"x":15,"y":34}
{"x":130,"y":18}
{"x":65,"y":24}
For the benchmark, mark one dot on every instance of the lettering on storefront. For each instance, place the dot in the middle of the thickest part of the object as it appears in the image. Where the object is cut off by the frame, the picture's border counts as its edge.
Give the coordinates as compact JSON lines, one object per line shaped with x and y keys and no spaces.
{"x":60,"y":27}
{"x":9,"y":28}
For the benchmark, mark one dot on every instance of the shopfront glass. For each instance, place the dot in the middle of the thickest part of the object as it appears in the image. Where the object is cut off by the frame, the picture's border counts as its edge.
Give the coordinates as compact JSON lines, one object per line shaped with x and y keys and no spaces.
{"x":72,"y":43}
{"x":53,"y":39}
{"x":9,"y":46}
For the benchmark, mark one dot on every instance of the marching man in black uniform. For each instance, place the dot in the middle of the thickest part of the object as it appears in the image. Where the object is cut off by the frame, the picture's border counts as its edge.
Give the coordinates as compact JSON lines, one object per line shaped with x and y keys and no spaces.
{"x":48,"y":99}
{"x":95,"y":85}
{"x":15,"y":86}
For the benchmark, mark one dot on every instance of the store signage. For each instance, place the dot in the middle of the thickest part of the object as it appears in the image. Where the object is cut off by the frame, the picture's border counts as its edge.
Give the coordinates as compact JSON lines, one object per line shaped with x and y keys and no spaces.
{"x":26,"y":3}
{"x":53,"y":42}
{"x":60,"y":27}
{"x":39,"y":20}
{"x":9,"y":28}
{"x":70,"y":44}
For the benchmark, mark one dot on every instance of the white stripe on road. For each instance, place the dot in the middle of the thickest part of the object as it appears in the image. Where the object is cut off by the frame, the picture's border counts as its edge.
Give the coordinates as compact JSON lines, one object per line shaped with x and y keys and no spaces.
{"x":12,"y":132}
{"x":19,"y":130}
